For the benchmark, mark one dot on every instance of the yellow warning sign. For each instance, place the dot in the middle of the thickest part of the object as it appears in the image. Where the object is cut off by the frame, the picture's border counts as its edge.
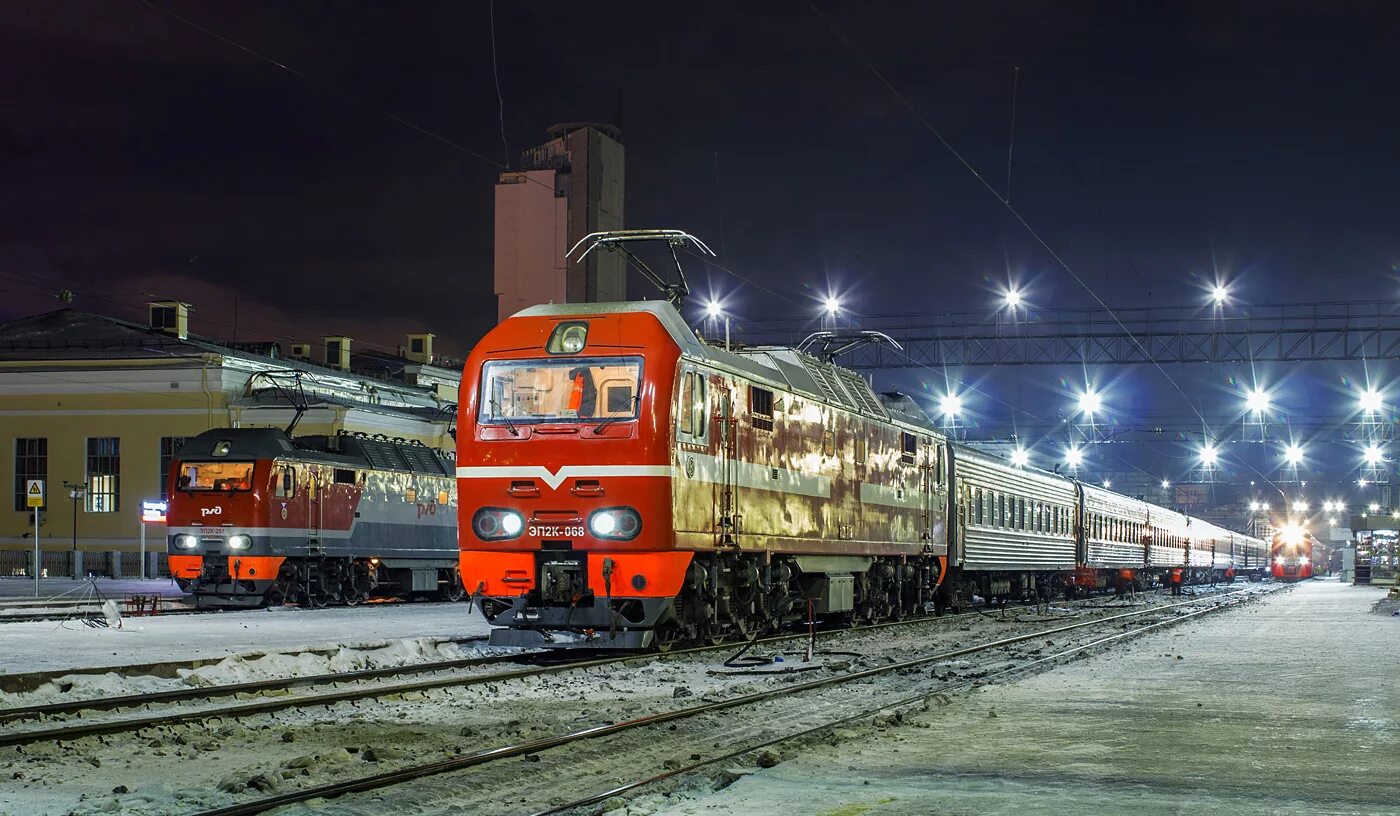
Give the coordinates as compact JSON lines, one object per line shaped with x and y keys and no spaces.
{"x":35,"y":493}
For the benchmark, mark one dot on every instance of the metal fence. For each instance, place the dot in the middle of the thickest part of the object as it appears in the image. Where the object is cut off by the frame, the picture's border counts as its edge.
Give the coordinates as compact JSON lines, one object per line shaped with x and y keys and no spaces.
{"x":62,"y":564}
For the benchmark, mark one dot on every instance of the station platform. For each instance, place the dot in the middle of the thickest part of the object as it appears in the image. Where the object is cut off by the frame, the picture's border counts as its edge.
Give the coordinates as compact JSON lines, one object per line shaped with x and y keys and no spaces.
{"x":1291,"y":705}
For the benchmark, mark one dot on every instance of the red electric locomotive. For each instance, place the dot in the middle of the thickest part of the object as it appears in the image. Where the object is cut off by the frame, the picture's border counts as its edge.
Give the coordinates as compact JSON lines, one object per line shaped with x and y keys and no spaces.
{"x":625,"y":484}
{"x":257,"y":516}
{"x":1290,"y":553}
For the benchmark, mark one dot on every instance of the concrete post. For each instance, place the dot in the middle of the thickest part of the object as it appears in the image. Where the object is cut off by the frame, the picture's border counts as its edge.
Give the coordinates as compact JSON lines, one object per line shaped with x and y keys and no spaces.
{"x":116,"y":564}
{"x":77,"y":565}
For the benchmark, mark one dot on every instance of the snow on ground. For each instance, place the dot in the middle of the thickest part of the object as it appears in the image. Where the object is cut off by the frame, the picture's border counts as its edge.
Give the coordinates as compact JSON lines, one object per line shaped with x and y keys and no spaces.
{"x":1287,"y":706}
{"x":48,"y":646}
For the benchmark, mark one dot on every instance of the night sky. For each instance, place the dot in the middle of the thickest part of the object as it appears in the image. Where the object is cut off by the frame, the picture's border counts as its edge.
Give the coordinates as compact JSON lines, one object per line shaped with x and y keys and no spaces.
{"x":1158,"y":148}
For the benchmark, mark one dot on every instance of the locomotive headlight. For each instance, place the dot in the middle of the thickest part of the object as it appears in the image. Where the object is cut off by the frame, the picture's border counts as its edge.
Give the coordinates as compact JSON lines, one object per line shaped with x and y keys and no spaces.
{"x":617,"y":523}
{"x":1304,"y":560}
{"x":497,"y":524}
{"x":603,"y":524}
{"x":185,"y":541}
{"x":239,"y":542}
{"x":511,"y":524}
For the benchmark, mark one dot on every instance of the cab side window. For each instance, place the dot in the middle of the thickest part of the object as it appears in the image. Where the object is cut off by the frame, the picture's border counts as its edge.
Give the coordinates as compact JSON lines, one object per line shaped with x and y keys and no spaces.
{"x":692,"y":408}
{"x":285,"y":478}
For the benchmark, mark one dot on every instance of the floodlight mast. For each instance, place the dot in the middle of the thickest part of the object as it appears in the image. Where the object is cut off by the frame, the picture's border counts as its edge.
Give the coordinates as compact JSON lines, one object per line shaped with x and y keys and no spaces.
{"x":617,"y":241}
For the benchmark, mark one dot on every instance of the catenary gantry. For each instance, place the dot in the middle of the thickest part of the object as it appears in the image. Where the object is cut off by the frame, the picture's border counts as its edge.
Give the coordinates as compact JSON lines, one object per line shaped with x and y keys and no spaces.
{"x":1145,"y":335}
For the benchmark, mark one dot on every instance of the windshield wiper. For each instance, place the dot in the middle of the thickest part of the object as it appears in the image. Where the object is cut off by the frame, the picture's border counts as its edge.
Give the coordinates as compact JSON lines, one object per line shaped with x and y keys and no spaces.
{"x":501,"y":415}
{"x":610,"y":420}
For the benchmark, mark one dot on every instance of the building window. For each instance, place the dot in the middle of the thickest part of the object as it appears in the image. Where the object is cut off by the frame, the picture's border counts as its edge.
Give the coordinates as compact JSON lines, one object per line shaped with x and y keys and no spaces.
{"x":103,"y":474}
{"x":31,"y":462}
{"x":909,"y":448}
{"x":169,"y":447}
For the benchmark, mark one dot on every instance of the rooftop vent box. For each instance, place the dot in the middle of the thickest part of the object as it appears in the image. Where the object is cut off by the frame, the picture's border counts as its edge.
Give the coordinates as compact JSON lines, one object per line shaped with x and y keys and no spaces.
{"x":338,"y":352}
{"x":171,"y":317}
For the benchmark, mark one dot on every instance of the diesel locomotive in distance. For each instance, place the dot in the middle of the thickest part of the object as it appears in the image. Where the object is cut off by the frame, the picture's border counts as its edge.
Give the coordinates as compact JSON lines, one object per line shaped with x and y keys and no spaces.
{"x":257,"y":516}
{"x":626,"y":484}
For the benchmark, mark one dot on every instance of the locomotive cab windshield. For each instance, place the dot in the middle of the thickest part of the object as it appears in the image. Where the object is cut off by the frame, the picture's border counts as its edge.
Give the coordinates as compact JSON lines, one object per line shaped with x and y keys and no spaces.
{"x":560,"y":390}
{"x":218,"y":477}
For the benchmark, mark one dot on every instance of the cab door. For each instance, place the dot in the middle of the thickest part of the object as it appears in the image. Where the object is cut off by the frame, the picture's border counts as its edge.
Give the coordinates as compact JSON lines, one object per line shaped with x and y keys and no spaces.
{"x":314,"y":498}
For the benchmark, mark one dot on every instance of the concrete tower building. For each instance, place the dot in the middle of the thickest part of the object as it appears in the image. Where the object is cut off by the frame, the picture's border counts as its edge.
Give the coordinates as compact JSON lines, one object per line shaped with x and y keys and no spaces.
{"x":564,"y":189}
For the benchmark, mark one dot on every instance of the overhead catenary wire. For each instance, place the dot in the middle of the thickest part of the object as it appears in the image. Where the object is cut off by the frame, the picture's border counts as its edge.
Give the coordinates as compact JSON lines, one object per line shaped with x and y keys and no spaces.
{"x":1012,"y":210}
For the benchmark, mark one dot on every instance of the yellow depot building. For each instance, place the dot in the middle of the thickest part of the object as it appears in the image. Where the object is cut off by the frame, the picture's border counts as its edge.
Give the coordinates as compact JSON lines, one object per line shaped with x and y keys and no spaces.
{"x":96,"y":407}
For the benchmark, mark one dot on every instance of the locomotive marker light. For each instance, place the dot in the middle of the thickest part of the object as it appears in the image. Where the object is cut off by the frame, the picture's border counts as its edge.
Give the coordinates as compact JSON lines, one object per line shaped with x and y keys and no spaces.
{"x":617,"y":523}
{"x":239,"y":542}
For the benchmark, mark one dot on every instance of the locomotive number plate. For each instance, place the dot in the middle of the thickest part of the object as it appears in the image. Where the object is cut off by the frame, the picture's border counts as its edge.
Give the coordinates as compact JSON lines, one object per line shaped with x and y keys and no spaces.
{"x":555,"y":530}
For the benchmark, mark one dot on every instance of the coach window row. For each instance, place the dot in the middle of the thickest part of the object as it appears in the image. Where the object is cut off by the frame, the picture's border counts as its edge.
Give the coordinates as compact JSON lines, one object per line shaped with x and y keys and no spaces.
{"x":1107,"y":528}
{"x":992,"y":508}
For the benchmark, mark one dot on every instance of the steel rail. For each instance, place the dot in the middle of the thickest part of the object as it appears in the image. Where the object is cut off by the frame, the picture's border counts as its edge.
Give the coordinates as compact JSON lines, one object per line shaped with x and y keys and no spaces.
{"x":81,"y":730}
{"x":253,"y":686}
{"x":69,"y":732}
{"x":228,"y":690}
{"x":465,"y":761}
{"x":914,"y":699}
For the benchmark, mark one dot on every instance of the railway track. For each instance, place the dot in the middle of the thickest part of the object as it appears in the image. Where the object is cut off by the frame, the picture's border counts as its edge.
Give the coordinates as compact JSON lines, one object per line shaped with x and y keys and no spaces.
{"x":849,"y":681}
{"x":76,"y":709}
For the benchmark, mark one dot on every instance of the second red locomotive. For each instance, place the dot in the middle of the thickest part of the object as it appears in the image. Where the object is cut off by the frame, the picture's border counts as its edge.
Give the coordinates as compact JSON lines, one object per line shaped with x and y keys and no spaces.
{"x":257,"y":516}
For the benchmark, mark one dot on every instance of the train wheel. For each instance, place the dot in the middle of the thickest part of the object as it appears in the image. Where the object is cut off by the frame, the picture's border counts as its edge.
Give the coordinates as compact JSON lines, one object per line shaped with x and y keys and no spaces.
{"x":352,"y":594}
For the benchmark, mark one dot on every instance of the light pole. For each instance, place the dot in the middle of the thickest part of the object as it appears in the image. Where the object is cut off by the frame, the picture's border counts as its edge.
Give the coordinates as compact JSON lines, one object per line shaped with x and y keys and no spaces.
{"x":715,"y":311}
{"x":77,"y":492}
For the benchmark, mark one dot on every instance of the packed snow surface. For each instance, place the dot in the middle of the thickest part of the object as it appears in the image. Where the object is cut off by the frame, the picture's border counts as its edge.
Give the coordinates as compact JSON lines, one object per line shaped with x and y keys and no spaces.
{"x":1291,"y":705}
{"x":47,"y":646}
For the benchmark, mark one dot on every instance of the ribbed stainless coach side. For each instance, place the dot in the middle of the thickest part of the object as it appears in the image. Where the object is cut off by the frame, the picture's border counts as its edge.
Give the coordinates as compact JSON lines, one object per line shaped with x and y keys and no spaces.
{"x":1012,"y":519}
{"x":1113,"y":529}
